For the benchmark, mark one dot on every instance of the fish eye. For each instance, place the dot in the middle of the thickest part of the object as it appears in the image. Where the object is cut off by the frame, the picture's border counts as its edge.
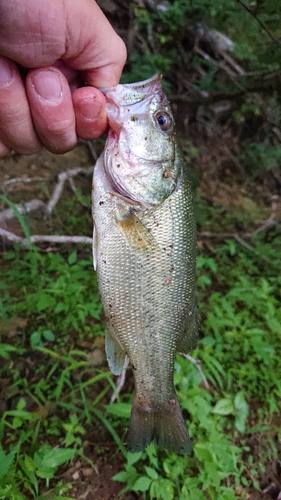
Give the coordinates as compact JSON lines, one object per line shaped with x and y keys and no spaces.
{"x":164,"y":120}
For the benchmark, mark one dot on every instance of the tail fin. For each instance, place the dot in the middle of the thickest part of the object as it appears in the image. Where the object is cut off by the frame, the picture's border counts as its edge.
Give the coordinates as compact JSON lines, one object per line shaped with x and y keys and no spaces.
{"x":163,"y":423}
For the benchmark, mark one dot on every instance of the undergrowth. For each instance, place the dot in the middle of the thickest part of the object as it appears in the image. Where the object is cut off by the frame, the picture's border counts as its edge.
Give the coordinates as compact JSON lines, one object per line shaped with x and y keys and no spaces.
{"x":54,"y":392}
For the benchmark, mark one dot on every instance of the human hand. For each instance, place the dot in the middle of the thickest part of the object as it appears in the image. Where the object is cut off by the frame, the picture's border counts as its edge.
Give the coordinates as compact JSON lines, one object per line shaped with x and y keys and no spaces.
{"x":48,"y":50}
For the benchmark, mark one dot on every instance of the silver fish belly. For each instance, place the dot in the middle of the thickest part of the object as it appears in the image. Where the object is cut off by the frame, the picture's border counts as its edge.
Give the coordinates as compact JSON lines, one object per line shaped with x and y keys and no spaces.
{"x":145,"y":250}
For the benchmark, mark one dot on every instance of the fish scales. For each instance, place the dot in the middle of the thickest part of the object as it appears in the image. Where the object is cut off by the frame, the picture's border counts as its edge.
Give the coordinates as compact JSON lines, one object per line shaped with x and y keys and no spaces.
{"x":145,"y":260}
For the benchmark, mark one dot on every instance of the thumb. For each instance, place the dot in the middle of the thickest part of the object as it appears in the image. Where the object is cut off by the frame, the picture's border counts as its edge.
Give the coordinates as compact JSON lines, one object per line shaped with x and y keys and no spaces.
{"x":96,"y":48}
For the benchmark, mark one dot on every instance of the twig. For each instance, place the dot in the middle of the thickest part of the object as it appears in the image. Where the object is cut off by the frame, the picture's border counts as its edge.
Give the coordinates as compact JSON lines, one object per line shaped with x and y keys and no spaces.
{"x":74,"y":189}
{"x":270,"y":222}
{"x":214,"y":62}
{"x":23,"y":180}
{"x":197,"y":363}
{"x":242,"y":242}
{"x":269,"y":488}
{"x":42,"y":238}
{"x":62,"y":177}
{"x":233,"y":63}
{"x":120,"y":381}
{"x":10,"y":236}
{"x":72,"y":185}
{"x":23,"y":208}
{"x":92,"y":150}
{"x":221,"y":236}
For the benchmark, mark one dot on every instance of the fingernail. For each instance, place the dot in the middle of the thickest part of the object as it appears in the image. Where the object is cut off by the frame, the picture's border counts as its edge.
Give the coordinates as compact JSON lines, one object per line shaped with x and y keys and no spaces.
{"x":6,"y":73}
{"x":89,"y":109}
{"x":47,"y":84}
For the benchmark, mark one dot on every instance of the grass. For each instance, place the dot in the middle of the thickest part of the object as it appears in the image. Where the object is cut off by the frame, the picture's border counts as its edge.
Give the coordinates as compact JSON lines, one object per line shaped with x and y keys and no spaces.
{"x":53,"y":392}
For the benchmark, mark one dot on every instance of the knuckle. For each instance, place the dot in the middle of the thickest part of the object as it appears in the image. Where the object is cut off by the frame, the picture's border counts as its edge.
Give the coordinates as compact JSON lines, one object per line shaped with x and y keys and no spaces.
{"x":58,"y":128}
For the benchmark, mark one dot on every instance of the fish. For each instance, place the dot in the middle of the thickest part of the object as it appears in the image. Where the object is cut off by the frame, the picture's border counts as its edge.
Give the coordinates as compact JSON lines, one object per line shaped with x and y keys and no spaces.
{"x":144,"y":248}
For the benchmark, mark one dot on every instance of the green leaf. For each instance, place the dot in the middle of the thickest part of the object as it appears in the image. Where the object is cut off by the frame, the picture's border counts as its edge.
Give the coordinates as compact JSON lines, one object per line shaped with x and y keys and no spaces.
{"x":45,"y":301}
{"x":142,"y":484}
{"x":18,"y":215}
{"x":121,"y":476}
{"x":6,"y":461}
{"x":56,"y":457}
{"x":242,"y":408}
{"x":28,"y":467}
{"x":151,"y":472}
{"x":61,"y":306}
{"x":120,"y":409}
{"x":21,"y":404}
{"x":48,"y":335}
{"x":35,"y":339}
{"x":224,"y":407}
{"x":132,"y":458}
{"x":162,"y":489}
{"x":46,"y":472}
{"x":72,"y":258}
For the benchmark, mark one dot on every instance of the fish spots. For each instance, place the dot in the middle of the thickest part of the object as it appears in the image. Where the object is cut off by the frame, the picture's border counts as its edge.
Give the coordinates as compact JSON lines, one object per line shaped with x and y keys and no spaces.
{"x":104,"y":261}
{"x":167,"y":174}
{"x":101,"y":203}
{"x":134,"y":118}
{"x":172,"y":402}
{"x":168,"y":281}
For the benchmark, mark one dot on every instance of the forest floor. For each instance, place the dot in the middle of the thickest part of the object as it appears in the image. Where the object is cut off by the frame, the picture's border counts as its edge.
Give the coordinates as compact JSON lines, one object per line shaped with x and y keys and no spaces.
{"x":218,"y":182}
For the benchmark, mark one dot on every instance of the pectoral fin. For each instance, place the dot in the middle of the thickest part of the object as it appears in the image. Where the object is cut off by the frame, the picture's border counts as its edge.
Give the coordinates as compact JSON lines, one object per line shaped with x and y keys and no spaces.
{"x":135,"y":233}
{"x":114,"y":353}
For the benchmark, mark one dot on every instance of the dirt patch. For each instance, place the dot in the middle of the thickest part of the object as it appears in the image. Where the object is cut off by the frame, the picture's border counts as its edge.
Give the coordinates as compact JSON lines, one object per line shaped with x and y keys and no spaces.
{"x":91,"y":485}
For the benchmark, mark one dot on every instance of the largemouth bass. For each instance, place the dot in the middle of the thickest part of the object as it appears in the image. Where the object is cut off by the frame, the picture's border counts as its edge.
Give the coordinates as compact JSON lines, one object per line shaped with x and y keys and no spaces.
{"x":144,"y":253}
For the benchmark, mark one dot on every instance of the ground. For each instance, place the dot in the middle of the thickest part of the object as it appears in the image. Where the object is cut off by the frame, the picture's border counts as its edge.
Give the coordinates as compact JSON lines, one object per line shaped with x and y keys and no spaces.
{"x":219,"y":183}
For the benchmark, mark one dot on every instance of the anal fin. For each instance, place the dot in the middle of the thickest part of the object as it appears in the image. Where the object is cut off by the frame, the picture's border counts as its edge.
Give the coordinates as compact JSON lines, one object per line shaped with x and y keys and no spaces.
{"x":114,"y":353}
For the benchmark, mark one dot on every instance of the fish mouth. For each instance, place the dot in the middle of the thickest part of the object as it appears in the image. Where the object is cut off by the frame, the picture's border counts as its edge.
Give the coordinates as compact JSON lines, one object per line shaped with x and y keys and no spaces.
{"x":143,"y":87}
{"x":133,"y":168}
{"x":120,"y":98}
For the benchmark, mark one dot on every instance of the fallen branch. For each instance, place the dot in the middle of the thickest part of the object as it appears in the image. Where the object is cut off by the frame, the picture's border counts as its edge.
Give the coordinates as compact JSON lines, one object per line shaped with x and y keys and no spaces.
{"x":23,"y":180}
{"x":42,"y":238}
{"x":120,"y":381}
{"x":62,"y":177}
{"x":270,"y":222}
{"x":211,"y":60}
{"x":221,"y":236}
{"x":22,"y":208}
{"x":197,"y":363}
{"x":233,"y":63}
